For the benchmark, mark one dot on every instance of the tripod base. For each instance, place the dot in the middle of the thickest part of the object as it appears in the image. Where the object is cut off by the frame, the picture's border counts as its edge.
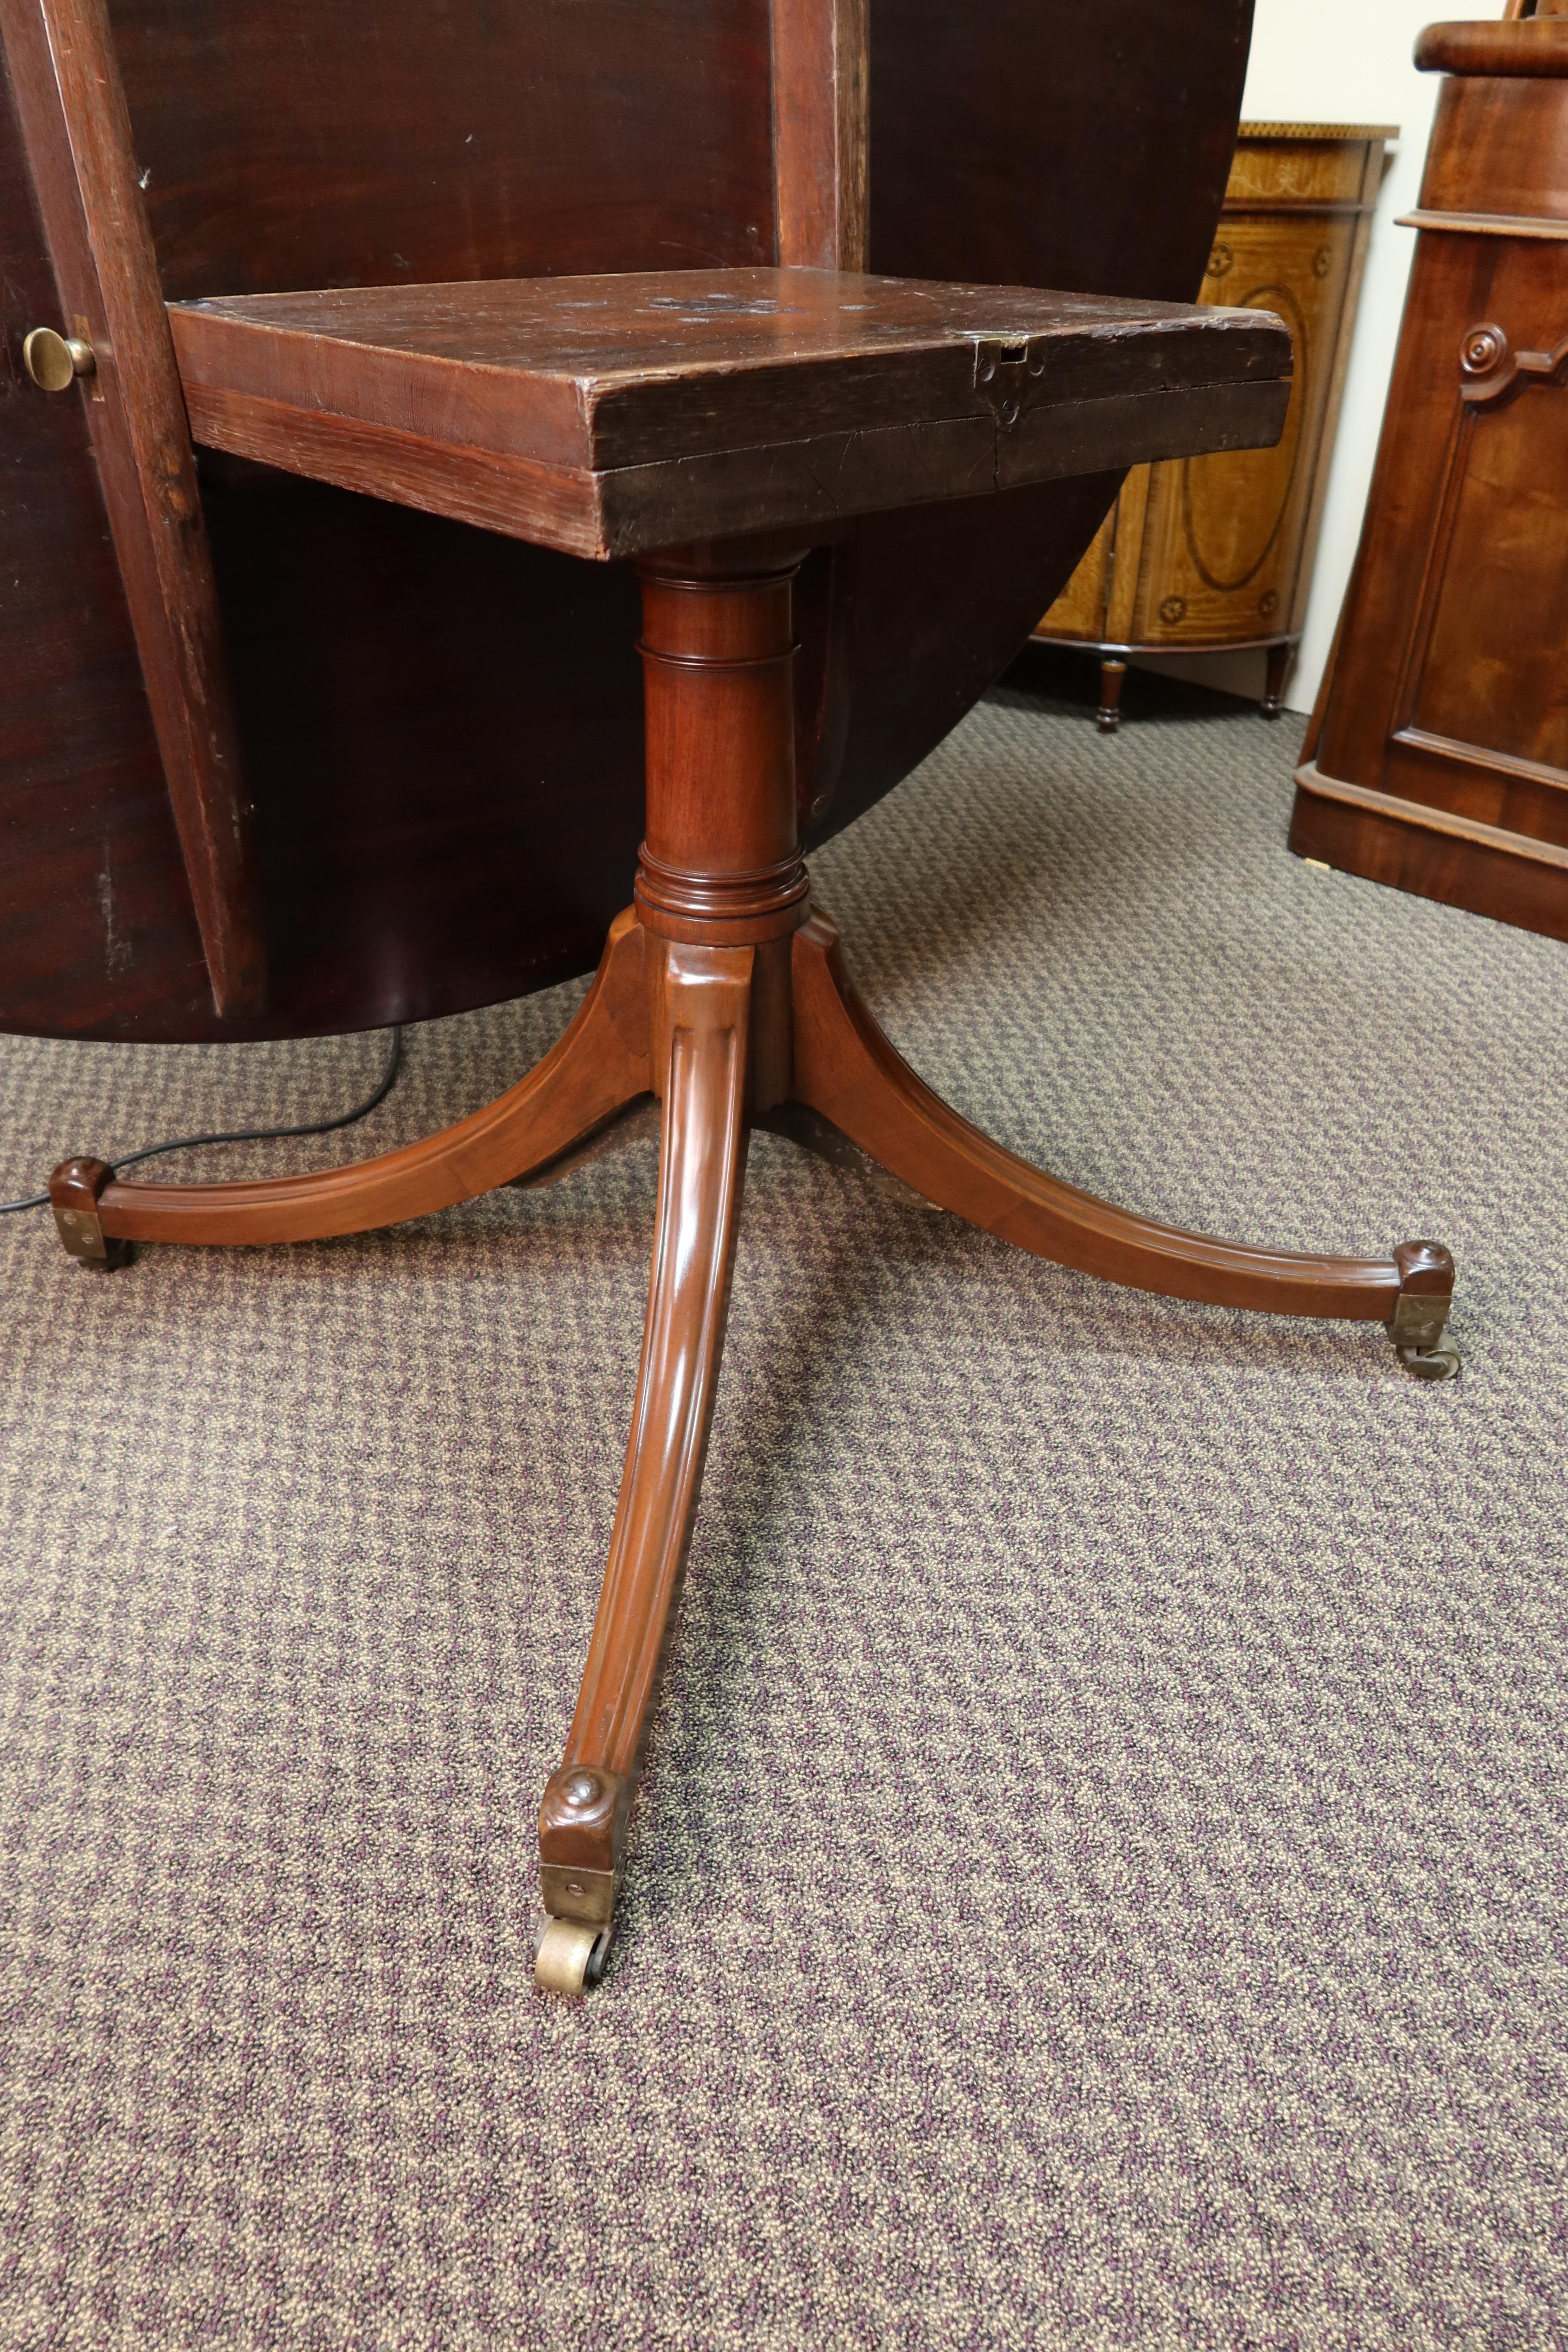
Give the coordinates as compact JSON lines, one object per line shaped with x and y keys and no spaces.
{"x":678,"y":1017}
{"x":723,"y":995}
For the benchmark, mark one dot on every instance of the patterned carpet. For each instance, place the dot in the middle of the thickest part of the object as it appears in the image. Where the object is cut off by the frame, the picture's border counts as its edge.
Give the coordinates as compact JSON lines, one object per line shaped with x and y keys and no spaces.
{"x":1101,"y":1876}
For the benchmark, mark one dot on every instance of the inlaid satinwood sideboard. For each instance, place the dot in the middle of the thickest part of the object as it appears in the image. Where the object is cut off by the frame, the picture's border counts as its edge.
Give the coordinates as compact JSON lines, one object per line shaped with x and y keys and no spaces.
{"x":1212,"y":555}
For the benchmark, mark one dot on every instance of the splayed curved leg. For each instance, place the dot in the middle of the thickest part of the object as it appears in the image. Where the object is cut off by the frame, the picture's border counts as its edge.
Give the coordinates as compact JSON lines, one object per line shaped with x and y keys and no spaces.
{"x":594,"y":1069}
{"x":582,"y":1821}
{"x":848,"y":1072}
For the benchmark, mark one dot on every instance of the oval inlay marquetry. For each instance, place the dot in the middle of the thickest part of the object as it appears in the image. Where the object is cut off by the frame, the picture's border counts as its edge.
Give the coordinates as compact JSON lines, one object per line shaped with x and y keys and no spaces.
{"x":1230,"y":536}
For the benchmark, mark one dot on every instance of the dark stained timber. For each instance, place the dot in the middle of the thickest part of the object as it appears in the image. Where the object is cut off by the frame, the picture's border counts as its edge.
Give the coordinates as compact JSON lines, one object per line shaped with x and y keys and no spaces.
{"x":441,"y":731}
{"x":429,"y":385}
{"x":1439,"y":760}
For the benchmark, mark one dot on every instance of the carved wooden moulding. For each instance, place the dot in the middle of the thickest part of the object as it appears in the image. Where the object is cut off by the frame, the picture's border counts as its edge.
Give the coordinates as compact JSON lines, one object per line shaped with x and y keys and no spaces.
{"x":1439,"y":756}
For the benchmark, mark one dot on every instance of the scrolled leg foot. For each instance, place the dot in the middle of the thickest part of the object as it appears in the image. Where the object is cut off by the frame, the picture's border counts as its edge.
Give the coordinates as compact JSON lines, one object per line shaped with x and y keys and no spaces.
{"x":75,"y":1190}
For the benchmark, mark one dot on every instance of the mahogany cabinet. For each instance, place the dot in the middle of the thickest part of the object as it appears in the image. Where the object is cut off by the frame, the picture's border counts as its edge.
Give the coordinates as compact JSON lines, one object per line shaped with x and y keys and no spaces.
{"x":1439,"y":756}
{"x":1210,"y":554}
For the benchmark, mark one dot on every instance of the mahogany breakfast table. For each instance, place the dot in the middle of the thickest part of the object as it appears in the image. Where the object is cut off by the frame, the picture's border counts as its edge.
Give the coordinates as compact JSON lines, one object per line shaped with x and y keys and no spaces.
{"x":734,"y":433}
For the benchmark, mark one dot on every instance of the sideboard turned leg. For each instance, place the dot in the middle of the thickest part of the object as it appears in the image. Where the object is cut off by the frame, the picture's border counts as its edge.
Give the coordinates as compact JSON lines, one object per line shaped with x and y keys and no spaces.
{"x":1280,"y":658}
{"x":1107,"y":718}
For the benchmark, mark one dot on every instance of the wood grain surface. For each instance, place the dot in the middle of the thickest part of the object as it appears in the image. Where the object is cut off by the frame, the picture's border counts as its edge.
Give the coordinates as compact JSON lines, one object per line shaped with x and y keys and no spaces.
{"x":94,"y":894}
{"x":609,"y":415}
{"x":296,"y":144}
{"x":1211,"y":549}
{"x":441,"y":727}
{"x":822,"y":131}
{"x":73,"y":121}
{"x":1440,"y":762}
{"x":1538,"y":46}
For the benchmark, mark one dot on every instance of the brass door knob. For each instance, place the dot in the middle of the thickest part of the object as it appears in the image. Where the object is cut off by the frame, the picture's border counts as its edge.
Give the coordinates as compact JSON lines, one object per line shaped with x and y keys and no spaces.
{"x":55,"y":361}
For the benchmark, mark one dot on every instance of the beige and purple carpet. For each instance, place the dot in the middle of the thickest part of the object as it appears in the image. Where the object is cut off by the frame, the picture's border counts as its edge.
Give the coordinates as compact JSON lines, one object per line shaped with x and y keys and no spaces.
{"x":1099,"y":1882}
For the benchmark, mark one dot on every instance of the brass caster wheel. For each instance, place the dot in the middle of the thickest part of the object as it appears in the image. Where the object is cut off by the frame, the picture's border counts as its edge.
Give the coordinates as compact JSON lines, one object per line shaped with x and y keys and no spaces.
{"x":571,"y":1957}
{"x":1439,"y":1363}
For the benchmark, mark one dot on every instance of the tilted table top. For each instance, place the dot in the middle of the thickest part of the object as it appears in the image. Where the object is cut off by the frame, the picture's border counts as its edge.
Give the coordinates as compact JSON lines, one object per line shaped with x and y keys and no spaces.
{"x":608,"y":415}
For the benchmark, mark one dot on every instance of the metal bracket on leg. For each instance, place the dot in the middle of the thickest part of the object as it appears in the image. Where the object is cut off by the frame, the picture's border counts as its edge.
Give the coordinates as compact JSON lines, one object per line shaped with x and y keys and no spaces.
{"x":74,"y":1189}
{"x":1426,"y":1298}
{"x":582,"y":1824}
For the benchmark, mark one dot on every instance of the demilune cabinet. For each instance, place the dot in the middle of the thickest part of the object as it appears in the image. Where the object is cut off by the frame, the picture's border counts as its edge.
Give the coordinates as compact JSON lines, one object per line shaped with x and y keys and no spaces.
{"x":1209,"y":554}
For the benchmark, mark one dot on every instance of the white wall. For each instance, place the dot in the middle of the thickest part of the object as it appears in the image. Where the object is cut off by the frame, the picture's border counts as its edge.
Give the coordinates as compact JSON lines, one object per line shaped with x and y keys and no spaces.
{"x":1346,"y":61}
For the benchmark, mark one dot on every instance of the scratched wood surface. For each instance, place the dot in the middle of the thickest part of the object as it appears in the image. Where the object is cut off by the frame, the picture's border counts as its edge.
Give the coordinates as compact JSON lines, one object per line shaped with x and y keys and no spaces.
{"x":609,"y":415}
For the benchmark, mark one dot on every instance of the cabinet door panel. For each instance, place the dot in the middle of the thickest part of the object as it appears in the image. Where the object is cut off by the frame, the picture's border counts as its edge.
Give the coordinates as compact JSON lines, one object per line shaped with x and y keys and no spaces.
{"x":1493,"y":673}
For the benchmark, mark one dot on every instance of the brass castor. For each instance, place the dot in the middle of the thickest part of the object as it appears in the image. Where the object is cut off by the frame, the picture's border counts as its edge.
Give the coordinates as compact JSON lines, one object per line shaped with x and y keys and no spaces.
{"x":1416,"y":1326}
{"x":571,"y":1956}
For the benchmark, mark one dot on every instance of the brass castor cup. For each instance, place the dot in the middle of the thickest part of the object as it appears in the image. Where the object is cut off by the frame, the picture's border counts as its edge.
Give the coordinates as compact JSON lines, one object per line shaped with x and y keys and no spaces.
{"x":1417,"y":1325}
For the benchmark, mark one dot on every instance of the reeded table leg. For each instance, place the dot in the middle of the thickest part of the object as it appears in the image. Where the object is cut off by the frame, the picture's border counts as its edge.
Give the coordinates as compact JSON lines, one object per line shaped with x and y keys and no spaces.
{"x":720,"y":887}
{"x":846,"y":1069}
{"x":582,"y":1821}
{"x":596,"y":1068}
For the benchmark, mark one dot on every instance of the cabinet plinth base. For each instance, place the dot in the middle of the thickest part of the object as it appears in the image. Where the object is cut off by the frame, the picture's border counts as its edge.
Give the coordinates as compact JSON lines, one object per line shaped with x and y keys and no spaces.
{"x":1431,"y":852}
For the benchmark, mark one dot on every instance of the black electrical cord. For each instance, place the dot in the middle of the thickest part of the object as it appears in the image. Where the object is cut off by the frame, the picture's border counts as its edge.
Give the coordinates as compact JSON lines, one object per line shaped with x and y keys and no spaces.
{"x":384,"y":1085}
